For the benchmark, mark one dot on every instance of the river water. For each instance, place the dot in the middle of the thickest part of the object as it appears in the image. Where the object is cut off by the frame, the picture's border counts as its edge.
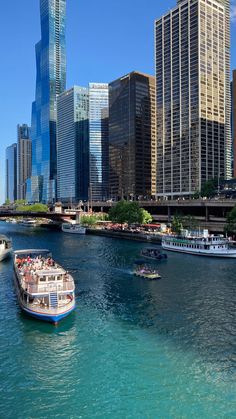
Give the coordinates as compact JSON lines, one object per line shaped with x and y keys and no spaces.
{"x":132,"y":348}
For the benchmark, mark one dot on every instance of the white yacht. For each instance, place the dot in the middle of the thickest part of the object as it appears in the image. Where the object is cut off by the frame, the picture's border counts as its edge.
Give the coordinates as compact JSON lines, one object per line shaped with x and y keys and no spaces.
{"x":201,"y":244}
{"x":5,"y":247}
{"x":73,"y":228}
{"x":44,"y":289}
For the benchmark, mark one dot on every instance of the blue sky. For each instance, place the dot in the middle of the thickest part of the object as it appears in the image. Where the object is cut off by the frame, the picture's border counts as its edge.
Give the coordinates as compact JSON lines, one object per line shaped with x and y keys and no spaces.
{"x":105,"y":40}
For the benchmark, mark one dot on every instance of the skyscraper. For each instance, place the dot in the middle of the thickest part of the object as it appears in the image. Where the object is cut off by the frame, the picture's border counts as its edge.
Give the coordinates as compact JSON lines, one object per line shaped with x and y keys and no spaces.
{"x":24,"y":159}
{"x":73,"y":144}
{"x":50,"y":82}
{"x":234,"y":119}
{"x":193,"y":116}
{"x":11,"y":172}
{"x":98,"y":140}
{"x":228,"y":137}
{"x":132,"y":136}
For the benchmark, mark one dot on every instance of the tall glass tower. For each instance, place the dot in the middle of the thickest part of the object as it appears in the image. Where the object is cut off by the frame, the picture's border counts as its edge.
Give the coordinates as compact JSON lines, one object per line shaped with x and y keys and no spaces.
{"x":73,"y":145}
{"x":98,"y":140}
{"x":50,"y":82}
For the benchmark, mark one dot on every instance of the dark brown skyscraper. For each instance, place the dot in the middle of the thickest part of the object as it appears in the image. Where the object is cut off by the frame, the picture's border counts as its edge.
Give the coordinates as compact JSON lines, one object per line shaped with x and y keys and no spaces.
{"x":132,"y":139}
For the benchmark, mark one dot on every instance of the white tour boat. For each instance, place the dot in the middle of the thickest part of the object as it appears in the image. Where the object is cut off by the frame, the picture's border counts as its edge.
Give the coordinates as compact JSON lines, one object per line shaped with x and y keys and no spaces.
{"x":5,"y":247}
{"x":202,"y":244}
{"x":44,"y":289}
{"x":73,"y":228}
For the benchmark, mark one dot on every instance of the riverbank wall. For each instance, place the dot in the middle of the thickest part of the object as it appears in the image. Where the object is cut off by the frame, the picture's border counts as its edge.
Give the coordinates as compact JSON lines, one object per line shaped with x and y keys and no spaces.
{"x":126,"y":235}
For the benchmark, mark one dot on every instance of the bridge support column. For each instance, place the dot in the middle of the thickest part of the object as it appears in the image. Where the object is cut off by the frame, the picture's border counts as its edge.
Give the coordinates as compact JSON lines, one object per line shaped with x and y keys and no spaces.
{"x":207,"y":214}
{"x":169,"y":214}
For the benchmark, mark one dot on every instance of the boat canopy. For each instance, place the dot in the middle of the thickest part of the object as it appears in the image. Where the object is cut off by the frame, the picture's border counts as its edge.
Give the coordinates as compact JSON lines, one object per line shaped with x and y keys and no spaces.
{"x":28,"y":252}
{"x":50,"y":272}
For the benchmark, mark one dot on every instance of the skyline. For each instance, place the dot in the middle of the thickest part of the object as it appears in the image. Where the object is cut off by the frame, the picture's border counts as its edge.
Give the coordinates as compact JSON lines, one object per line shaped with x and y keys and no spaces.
{"x":89,"y":57}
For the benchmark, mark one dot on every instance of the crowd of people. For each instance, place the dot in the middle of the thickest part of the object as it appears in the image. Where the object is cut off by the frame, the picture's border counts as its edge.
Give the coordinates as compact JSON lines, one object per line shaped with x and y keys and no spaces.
{"x":33,"y":264}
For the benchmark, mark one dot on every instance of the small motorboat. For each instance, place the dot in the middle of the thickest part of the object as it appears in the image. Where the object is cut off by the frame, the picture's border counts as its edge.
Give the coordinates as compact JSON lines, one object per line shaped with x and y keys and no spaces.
{"x":152,"y":253}
{"x":146,"y":272}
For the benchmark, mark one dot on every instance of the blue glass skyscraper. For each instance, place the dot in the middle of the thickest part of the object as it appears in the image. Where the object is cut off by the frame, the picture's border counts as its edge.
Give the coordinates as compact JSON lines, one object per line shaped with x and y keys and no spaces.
{"x":98,"y":141}
{"x":50,"y":82}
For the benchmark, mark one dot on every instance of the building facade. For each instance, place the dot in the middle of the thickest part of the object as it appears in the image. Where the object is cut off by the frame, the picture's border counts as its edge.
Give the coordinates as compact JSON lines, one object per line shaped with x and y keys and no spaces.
{"x":50,"y":82}
{"x":234,"y":121}
{"x":73,"y":145}
{"x":193,"y":116}
{"x":98,"y":141}
{"x":228,"y":135}
{"x":11,"y":173}
{"x":24,"y":159}
{"x":132,"y":136}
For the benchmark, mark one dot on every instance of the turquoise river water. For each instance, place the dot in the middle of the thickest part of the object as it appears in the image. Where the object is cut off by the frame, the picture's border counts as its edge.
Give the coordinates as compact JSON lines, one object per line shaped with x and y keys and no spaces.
{"x":132,"y":348}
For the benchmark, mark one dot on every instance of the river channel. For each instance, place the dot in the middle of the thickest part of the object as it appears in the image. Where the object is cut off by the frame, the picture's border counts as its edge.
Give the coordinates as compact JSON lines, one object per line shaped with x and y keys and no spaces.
{"x":132,"y":348}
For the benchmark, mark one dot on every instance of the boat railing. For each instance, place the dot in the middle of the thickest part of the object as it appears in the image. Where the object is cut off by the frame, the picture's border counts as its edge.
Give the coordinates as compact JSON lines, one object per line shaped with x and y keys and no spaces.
{"x":197,"y":240}
{"x":33,"y":288}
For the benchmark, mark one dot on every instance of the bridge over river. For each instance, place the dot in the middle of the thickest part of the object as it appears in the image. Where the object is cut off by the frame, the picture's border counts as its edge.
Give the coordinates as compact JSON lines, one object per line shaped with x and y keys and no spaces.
{"x":210,"y":213}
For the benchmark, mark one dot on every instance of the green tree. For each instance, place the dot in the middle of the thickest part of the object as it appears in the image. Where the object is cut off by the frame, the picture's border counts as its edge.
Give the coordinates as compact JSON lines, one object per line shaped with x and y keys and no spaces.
{"x":20,"y":202}
{"x":7,"y":202}
{"x":209,"y":188}
{"x":88,"y":220}
{"x":129,"y":212}
{"x":231,"y":222}
{"x":177,"y":224}
{"x":32,"y":208}
{"x":196,"y":195}
{"x":147,"y":218}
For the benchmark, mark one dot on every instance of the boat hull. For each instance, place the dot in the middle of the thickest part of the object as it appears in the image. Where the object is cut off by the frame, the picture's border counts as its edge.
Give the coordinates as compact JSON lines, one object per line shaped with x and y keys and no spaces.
{"x":199,"y":253}
{"x":4,"y":254}
{"x":46,"y":317}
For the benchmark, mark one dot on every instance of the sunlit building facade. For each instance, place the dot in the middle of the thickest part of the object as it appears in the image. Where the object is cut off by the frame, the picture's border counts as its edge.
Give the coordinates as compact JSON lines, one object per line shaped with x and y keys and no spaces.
{"x":98,"y":140}
{"x":50,"y":82}
{"x":24,"y":159}
{"x":193,"y":116}
{"x":233,"y":121}
{"x":73,"y":145}
{"x":132,"y":136}
{"x":11,"y":173}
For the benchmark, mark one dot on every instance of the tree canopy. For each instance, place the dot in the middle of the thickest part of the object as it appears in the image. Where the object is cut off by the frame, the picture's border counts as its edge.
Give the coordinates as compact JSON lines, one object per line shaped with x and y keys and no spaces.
{"x":129,"y":212}
{"x":32,"y":208}
{"x":231,"y":221}
{"x":209,"y":188}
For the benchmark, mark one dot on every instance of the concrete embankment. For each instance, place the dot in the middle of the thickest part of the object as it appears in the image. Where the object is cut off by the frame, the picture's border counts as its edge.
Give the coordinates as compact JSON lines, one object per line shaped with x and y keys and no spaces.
{"x":127,"y":235}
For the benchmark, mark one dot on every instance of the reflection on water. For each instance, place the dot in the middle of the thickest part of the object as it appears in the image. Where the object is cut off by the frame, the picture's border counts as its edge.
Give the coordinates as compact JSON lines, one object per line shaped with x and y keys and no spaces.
{"x":133,"y":348}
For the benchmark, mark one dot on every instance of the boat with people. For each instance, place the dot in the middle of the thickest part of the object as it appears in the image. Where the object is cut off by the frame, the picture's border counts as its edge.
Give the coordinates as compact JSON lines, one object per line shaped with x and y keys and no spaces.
{"x":73,"y":228}
{"x":5,"y":247}
{"x":44,"y":289}
{"x":200,"y":243}
{"x":146,"y":272}
{"x":152,"y":253}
